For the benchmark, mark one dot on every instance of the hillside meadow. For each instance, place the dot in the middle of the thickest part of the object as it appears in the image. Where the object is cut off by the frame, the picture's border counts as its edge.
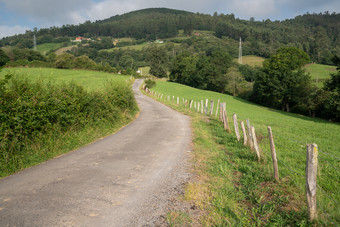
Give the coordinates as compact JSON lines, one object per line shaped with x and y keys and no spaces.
{"x":91,"y":80}
{"x":47,"y":112}
{"x":291,"y":134}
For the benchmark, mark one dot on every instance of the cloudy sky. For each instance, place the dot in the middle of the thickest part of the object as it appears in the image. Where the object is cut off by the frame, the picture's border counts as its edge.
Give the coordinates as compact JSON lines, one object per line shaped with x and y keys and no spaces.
{"x":17,"y":16}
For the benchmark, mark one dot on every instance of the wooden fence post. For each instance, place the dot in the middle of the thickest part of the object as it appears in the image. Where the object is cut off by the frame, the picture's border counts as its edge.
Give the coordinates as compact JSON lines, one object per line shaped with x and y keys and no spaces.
{"x":249,"y":134}
{"x":177,"y":100}
{"x":173,"y":100}
{"x":218,"y":103}
{"x":221,"y":112}
{"x":206,"y":106}
{"x":195,"y":105}
{"x":211,"y":107}
{"x":237,"y":132}
{"x":225,"y":118}
{"x":273,"y":152}
{"x":191,"y":101}
{"x":202,"y":106}
{"x":244,"y":134}
{"x":198,"y":107}
{"x":311,"y":172}
{"x":256,"y":146}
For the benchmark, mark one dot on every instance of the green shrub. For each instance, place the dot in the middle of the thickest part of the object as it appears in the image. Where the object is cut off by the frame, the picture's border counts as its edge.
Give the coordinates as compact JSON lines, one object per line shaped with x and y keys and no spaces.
{"x":30,"y":110}
{"x":150,"y":83}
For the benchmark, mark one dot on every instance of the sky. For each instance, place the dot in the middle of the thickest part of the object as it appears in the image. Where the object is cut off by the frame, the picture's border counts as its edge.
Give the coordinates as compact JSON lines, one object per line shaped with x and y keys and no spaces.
{"x":17,"y":16}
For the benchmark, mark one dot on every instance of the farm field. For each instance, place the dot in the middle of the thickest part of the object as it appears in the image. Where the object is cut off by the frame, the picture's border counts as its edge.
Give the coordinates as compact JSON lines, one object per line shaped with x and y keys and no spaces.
{"x":91,"y":80}
{"x":46,"y":47}
{"x":291,"y":133}
{"x":319,"y":73}
{"x":252,"y":60}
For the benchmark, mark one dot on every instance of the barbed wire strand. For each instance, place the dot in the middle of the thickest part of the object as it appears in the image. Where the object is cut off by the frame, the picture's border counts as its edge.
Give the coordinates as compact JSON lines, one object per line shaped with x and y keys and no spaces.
{"x":325,"y":193}
{"x":289,"y":168}
{"x":329,"y":154}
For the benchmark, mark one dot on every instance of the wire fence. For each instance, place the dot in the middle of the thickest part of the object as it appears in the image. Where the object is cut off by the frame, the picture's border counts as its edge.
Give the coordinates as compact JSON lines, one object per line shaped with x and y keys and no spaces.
{"x":292,"y":145}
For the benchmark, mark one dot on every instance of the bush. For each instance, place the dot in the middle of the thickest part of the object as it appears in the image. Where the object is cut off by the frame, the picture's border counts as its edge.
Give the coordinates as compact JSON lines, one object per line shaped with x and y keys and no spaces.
{"x":30,"y":110}
{"x":150,"y":83}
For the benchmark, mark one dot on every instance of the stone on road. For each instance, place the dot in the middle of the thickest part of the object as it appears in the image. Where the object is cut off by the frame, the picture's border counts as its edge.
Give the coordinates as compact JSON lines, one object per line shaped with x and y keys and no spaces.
{"x":122,"y":180}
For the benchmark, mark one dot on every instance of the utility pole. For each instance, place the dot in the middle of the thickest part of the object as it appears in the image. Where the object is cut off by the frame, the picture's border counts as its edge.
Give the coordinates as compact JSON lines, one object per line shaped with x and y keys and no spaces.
{"x":240,"y":52}
{"x":34,"y":43}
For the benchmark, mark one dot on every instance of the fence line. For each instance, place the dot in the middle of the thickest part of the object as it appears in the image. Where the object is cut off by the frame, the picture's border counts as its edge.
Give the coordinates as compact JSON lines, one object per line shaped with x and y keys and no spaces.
{"x":310,"y":196}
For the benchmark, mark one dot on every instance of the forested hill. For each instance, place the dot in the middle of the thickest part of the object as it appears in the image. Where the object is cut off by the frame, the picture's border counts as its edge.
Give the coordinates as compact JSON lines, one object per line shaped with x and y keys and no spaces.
{"x":316,"y":34}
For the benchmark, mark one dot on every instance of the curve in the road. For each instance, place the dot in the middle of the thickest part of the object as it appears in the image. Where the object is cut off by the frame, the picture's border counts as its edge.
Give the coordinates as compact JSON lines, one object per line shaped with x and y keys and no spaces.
{"x":121,"y":180}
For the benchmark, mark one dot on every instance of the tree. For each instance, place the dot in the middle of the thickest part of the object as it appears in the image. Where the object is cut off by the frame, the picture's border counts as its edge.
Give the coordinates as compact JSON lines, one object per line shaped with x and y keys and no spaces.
{"x":157,"y":57}
{"x":64,"y":61}
{"x":282,"y":82}
{"x":3,"y":58}
{"x":332,"y":85}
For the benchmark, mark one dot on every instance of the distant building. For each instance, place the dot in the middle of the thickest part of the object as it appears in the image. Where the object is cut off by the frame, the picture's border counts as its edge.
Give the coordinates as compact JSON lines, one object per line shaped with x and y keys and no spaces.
{"x":80,"y":38}
{"x":159,"y":41}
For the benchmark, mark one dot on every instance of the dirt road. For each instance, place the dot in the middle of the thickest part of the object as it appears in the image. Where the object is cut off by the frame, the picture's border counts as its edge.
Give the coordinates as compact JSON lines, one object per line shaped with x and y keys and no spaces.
{"x":122,"y":180}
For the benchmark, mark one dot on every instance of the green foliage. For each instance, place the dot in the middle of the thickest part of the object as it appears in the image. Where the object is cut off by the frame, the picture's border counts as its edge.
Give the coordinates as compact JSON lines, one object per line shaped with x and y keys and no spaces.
{"x":3,"y":58}
{"x":150,"y":83}
{"x":158,"y":60}
{"x":206,"y":71}
{"x":65,"y":61}
{"x":30,"y":110}
{"x":282,"y":82}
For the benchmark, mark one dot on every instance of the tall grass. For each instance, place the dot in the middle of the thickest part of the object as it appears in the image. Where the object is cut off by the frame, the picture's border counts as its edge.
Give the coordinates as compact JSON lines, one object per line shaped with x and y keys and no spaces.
{"x":40,"y":120}
{"x":291,"y":132}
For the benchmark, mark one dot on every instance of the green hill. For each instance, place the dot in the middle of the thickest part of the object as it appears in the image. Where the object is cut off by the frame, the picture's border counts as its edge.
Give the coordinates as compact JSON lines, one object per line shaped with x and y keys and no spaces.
{"x":236,"y":181}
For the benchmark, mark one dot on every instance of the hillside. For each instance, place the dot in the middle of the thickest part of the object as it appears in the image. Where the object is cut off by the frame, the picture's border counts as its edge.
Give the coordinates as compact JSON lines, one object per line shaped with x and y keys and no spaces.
{"x":316,"y":34}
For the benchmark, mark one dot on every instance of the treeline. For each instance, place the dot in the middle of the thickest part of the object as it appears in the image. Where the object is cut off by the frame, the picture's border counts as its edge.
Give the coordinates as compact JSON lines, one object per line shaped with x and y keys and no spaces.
{"x":317,"y":34}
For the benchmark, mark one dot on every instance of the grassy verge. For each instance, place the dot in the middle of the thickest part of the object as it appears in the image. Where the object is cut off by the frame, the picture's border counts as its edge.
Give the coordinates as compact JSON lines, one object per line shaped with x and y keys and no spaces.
{"x":233,"y":188}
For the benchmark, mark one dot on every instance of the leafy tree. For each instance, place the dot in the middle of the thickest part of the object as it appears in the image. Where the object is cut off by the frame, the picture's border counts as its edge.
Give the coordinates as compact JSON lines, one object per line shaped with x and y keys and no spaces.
{"x":332,"y":85}
{"x":64,"y":61}
{"x":157,"y":57}
{"x":3,"y":58}
{"x":282,"y":82}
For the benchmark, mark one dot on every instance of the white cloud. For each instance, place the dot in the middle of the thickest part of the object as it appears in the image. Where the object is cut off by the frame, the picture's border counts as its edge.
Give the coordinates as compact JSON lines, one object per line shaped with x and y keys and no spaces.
{"x":9,"y":31}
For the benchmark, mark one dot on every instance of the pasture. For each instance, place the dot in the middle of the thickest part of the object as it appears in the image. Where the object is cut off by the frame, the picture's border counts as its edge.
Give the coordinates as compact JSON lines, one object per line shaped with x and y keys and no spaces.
{"x":319,"y":73}
{"x":91,"y":80}
{"x":291,"y":134}
{"x":252,"y":60}
{"x":46,"y":47}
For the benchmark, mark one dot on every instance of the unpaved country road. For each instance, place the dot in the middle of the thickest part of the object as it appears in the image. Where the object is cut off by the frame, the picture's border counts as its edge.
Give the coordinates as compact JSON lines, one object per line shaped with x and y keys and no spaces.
{"x":122,"y":180}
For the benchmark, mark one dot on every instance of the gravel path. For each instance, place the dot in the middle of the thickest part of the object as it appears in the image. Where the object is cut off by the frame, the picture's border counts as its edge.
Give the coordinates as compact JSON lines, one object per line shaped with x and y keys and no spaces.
{"x":126,"y":179}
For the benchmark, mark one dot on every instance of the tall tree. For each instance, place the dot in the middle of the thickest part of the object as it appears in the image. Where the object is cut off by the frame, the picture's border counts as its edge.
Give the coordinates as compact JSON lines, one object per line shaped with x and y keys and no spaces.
{"x":282,"y":82}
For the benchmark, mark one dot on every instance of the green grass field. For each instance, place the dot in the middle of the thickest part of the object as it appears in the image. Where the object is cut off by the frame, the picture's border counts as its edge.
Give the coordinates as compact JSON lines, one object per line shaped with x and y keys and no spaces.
{"x":46,"y":47}
{"x":319,"y":73}
{"x":252,"y":60}
{"x":291,"y":132}
{"x":92,"y":80}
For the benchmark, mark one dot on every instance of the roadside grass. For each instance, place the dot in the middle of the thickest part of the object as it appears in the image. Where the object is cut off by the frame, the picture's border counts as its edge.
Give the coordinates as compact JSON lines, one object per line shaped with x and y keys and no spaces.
{"x":319,"y":73}
{"x":235,"y":189}
{"x":91,"y":80}
{"x":112,"y":110}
